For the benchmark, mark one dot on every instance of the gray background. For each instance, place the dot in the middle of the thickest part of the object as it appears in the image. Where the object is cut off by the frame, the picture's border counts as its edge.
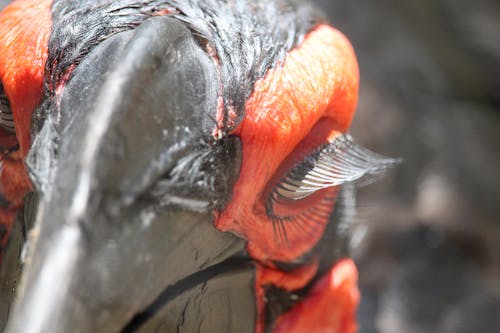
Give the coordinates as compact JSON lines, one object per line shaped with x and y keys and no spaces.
{"x":428,"y":235}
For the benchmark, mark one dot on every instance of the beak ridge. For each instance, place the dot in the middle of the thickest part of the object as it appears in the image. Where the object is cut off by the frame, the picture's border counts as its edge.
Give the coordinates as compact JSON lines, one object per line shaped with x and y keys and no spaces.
{"x":107,"y":245}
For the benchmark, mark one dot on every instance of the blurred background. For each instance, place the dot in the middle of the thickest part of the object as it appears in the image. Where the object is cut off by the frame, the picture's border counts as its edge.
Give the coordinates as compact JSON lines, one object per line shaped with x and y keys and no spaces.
{"x":427,"y":240}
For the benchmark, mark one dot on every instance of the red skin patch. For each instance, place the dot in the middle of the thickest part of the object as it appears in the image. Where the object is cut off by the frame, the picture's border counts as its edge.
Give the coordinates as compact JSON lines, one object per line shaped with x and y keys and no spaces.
{"x":290,"y":281}
{"x":330,"y":306}
{"x":24,"y":34}
{"x":318,"y":80}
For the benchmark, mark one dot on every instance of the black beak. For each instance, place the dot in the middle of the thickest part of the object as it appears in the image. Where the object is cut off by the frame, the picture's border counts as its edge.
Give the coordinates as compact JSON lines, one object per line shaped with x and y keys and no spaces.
{"x":129,"y":177}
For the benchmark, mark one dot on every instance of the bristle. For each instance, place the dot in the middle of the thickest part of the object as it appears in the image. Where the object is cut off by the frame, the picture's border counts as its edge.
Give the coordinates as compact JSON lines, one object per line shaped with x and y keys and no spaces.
{"x":309,"y":221}
{"x":6,"y":118}
{"x":333,"y":164}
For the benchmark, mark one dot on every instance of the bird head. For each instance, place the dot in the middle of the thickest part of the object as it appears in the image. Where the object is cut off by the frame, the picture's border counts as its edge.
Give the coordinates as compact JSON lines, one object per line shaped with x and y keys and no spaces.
{"x":187,"y":158}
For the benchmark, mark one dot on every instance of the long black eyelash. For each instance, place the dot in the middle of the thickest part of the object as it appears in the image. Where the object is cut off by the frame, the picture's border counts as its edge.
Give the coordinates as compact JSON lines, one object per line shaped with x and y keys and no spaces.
{"x":330,"y":165}
{"x":6,"y":119}
{"x":307,"y":221}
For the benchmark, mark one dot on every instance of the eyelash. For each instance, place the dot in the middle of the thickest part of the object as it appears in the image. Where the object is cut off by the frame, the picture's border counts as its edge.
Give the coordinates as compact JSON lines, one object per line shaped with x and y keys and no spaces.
{"x":6,"y":119}
{"x":308,"y":220}
{"x":323,"y":170}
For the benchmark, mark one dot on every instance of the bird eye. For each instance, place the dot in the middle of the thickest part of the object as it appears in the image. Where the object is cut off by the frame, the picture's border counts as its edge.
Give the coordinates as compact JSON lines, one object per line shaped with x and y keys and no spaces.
{"x":6,"y":119}
{"x":305,"y":195}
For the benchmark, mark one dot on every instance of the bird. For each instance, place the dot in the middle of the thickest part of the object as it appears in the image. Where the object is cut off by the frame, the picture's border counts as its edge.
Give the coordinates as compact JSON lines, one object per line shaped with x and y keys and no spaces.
{"x":177,"y":165}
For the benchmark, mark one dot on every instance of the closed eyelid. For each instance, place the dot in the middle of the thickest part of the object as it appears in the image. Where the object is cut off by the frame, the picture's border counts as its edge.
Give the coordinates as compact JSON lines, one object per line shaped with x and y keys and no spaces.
{"x":303,"y":199}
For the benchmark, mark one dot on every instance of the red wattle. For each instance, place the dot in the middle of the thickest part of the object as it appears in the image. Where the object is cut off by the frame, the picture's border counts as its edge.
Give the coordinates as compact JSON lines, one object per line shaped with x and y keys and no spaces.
{"x":330,"y":307}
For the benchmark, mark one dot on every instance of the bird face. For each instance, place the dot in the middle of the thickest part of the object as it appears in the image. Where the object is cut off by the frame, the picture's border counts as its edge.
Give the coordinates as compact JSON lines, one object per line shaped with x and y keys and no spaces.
{"x":186,"y":157}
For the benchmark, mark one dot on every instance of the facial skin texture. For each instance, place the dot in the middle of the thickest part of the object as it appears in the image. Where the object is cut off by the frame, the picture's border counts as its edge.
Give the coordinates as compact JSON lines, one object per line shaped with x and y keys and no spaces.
{"x":25,"y":30}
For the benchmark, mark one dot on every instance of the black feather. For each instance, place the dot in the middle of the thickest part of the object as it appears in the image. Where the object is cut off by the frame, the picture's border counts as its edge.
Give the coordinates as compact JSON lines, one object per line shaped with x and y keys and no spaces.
{"x":248,"y":37}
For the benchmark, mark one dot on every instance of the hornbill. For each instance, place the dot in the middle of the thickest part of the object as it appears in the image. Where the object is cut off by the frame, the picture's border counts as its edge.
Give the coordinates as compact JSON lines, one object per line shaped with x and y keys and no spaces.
{"x":183,"y":166}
